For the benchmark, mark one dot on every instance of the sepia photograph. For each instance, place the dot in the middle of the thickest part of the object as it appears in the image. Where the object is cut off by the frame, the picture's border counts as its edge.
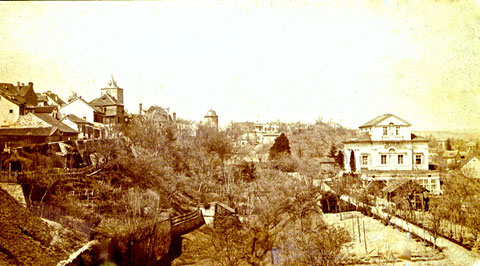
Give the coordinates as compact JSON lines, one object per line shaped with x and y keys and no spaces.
{"x":240,"y":132}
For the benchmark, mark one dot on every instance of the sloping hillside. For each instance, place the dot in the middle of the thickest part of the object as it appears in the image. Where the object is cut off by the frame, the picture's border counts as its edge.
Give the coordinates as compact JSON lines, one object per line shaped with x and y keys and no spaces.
{"x":21,"y":231}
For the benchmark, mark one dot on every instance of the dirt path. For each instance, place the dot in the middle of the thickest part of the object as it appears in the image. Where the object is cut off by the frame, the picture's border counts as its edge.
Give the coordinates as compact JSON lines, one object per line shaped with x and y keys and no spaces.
{"x":458,"y":255}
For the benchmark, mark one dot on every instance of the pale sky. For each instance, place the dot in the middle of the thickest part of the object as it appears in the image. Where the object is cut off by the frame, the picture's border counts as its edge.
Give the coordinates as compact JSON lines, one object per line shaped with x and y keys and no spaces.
{"x":348,"y":61}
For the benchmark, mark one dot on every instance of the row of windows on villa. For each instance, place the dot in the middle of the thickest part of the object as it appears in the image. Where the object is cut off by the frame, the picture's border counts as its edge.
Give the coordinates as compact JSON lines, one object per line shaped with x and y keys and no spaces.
{"x":383,"y":159}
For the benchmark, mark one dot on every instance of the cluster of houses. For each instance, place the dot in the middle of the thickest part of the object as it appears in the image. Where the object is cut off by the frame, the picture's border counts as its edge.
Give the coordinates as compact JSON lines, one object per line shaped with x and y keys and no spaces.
{"x":255,"y":133}
{"x":385,"y":149}
{"x":30,"y":118}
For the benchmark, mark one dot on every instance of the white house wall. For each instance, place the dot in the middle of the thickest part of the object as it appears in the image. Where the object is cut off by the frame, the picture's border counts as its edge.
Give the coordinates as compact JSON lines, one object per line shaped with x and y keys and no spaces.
{"x":375,"y":150}
{"x":9,"y":112}
{"x":78,"y":108}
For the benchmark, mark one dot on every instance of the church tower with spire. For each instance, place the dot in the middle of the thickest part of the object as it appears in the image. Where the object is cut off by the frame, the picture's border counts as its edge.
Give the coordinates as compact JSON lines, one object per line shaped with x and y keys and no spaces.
{"x":113,"y":90}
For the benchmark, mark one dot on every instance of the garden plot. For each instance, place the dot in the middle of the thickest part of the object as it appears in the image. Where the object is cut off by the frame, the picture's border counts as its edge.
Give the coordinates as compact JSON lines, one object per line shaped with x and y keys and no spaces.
{"x":382,"y":244}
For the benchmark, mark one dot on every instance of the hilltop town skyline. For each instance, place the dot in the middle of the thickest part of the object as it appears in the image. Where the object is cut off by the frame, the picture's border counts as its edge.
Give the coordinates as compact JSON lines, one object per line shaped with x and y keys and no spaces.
{"x":256,"y":62}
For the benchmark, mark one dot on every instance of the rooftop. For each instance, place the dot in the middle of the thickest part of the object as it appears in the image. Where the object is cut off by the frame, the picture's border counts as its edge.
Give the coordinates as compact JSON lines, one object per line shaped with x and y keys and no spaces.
{"x":211,"y":112}
{"x":381,"y":118}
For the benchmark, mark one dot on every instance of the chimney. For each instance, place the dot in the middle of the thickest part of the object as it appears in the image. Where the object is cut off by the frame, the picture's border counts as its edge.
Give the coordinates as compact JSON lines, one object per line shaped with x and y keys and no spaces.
{"x":49,"y":92}
{"x":18,"y":83}
{"x":30,"y":84}
{"x":140,"y":109}
{"x":174,"y":116}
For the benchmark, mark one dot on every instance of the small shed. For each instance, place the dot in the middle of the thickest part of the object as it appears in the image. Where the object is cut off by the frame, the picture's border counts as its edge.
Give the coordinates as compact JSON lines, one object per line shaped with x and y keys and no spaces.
{"x":407,"y":193}
{"x":326,"y":163}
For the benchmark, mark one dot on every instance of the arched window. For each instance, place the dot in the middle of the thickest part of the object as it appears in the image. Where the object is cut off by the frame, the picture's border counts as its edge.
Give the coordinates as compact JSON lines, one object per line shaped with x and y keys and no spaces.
{"x":390,"y":128}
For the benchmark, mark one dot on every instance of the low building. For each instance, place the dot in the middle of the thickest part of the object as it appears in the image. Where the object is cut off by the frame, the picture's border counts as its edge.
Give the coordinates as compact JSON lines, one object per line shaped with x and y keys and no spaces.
{"x":158,"y":114}
{"x":326,"y":163}
{"x":408,"y":193}
{"x":267,"y":132}
{"x":86,"y":130}
{"x":472,"y":147}
{"x":451,"y":158}
{"x":35,"y":128}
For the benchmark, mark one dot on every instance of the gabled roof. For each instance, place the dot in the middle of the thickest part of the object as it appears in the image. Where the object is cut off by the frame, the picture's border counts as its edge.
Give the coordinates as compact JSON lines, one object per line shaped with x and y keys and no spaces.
{"x":23,"y":90}
{"x":96,"y":109}
{"x":377,"y":120}
{"x":18,"y":101}
{"x":158,"y":109}
{"x":8,"y":88}
{"x":396,"y":184}
{"x":56,"y":123}
{"x":105,"y":100}
{"x":43,"y":97}
{"x":77,"y":120}
{"x":33,"y":124}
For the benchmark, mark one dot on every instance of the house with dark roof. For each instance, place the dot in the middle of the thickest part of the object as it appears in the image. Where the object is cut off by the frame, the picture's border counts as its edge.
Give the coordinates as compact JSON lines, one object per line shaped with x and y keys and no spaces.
{"x":158,"y":114}
{"x":110,"y":105}
{"x":385,"y":149}
{"x":86,"y":130}
{"x":15,"y":101}
{"x":49,"y":98}
{"x":35,"y":128}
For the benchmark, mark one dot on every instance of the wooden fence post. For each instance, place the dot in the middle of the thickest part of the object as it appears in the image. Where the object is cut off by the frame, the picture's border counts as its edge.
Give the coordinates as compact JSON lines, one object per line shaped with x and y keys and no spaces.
{"x":359,"y":233}
{"x":364,"y":236}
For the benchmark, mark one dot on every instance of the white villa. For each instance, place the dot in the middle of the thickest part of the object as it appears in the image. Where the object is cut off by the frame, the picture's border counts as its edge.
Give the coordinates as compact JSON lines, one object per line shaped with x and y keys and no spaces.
{"x":385,"y":149}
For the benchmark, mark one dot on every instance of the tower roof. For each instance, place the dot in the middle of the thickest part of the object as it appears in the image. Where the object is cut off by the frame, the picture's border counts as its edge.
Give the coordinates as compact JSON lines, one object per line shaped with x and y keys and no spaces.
{"x":112,"y":83}
{"x":211,"y":112}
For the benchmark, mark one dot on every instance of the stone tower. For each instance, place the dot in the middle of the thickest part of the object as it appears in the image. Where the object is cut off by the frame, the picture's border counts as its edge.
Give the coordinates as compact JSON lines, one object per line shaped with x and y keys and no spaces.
{"x":211,"y":118}
{"x":114,"y":91}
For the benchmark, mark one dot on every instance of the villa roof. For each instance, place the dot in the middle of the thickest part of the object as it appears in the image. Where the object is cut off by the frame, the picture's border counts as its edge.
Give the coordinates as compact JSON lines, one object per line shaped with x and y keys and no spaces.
{"x":381,"y":118}
{"x":365,"y":137}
